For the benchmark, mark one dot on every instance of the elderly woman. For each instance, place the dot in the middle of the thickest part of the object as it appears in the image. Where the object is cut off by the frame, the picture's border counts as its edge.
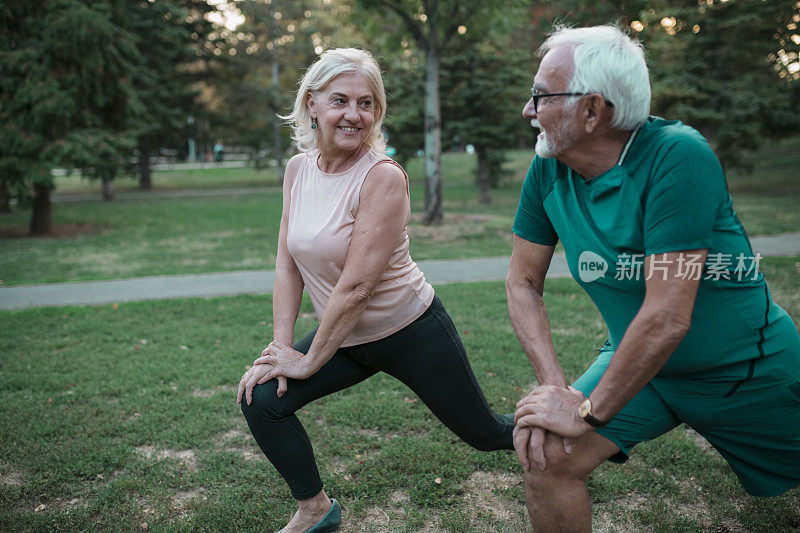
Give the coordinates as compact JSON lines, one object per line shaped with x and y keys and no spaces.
{"x":343,"y":237}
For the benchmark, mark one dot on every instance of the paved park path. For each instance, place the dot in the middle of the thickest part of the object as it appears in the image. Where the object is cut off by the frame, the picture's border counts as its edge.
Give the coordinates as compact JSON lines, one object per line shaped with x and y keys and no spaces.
{"x":262,"y":281}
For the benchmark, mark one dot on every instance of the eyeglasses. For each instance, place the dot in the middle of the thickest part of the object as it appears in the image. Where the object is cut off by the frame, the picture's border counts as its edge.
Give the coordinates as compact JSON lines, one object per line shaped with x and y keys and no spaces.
{"x":537,"y":96}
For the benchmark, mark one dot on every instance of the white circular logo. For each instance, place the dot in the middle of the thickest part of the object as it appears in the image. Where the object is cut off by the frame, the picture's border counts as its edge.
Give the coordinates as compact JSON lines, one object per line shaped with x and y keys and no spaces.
{"x":591,"y":266}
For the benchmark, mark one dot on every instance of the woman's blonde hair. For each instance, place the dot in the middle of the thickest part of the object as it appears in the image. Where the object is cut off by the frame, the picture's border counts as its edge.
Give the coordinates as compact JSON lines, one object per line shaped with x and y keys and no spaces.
{"x":330,"y":65}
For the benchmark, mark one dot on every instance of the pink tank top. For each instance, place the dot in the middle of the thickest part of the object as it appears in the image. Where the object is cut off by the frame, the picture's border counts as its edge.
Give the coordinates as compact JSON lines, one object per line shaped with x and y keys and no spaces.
{"x":322,"y":210}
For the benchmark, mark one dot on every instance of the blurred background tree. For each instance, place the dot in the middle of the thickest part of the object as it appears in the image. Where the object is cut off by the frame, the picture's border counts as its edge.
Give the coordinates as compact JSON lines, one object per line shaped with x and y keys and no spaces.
{"x":480,"y":81}
{"x":175,"y":43}
{"x":65,"y":93}
{"x":432,"y":24}
{"x":255,"y":86}
{"x":104,"y":85}
{"x":728,"y":69}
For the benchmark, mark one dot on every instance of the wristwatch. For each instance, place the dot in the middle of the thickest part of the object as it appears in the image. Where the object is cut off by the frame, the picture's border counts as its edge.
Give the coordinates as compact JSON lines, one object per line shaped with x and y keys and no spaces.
{"x":585,"y":412}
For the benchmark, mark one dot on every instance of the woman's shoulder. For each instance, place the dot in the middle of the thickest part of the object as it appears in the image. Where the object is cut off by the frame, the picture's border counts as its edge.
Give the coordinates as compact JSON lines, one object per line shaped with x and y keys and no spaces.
{"x":294,"y":165}
{"x":384,"y":167}
{"x":297,"y":161}
{"x":387,"y":180}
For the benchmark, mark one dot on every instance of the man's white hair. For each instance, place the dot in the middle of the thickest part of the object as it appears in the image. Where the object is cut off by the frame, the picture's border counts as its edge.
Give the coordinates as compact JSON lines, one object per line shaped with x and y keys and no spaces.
{"x":608,"y":62}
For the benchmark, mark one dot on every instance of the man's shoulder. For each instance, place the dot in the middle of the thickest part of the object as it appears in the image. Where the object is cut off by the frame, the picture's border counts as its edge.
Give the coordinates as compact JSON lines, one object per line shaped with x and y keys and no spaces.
{"x":670,"y":146}
{"x":659,"y":133}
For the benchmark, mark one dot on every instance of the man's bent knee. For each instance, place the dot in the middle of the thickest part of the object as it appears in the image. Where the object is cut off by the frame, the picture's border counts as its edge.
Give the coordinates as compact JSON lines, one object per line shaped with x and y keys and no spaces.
{"x":560,"y":464}
{"x":588,"y":453}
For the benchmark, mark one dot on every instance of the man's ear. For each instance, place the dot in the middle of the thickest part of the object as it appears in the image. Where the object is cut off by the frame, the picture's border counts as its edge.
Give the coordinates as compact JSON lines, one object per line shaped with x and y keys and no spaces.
{"x":593,"y":111}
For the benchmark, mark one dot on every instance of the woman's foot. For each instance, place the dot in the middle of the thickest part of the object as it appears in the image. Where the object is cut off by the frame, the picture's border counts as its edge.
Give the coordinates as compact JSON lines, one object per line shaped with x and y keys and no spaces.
{"x":311,"y":512}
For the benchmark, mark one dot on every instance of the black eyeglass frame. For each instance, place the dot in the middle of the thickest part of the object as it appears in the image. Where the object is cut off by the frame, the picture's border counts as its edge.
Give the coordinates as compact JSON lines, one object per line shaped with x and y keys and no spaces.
{"x":536,"y":97}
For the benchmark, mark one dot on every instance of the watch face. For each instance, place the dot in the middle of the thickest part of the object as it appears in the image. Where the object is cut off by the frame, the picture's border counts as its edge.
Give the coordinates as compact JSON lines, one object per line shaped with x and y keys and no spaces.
{"x":585,"y":408}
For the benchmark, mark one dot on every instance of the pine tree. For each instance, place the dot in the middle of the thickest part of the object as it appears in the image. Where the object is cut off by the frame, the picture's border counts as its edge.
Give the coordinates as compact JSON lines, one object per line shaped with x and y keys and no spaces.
{"x":729,"y":69}
{"x":172,"y":38}
{"x":65,"y":88}
{"x":433,"y":26}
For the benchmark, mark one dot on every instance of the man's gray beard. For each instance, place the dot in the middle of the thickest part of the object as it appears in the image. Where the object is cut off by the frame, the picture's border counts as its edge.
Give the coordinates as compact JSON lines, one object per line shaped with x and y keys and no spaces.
{"x":566,"y":135}
{"x":543,"y":148}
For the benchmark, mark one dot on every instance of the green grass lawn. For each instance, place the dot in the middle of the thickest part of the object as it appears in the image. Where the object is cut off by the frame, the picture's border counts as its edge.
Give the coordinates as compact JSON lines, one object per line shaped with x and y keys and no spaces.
{"x":168,"y":180}
{"x":154,"y":237}
{"x":158,"y":236}
{"x":123,"y":415}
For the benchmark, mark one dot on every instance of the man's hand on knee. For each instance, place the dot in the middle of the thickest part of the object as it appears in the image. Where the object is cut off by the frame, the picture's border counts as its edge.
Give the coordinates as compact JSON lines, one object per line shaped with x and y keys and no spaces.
{"x":521,"y":438}
{"x":553,"y":408}
{"x":529,"y":443}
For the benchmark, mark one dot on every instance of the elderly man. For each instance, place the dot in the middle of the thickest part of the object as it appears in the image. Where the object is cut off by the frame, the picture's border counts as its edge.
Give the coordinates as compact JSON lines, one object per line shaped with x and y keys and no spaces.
{"x":642,"y":208}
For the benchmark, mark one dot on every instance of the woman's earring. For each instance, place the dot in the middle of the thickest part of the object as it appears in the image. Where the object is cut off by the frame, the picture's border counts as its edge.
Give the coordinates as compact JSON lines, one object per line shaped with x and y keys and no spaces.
{"x":313,"y":123}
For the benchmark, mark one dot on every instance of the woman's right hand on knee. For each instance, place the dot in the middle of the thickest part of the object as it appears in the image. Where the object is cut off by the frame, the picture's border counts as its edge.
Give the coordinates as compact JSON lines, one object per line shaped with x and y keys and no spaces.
{"x":251,"y":378}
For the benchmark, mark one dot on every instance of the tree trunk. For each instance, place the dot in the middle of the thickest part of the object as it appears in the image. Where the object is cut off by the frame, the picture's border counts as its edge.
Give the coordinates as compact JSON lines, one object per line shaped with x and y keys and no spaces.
{"x":108,"y":189}
{"x":42,"y":217}
{"x":5,"y":197}
{"x":433,"y":140}
{"x":145,"y":180}
{"x":483,"y":176}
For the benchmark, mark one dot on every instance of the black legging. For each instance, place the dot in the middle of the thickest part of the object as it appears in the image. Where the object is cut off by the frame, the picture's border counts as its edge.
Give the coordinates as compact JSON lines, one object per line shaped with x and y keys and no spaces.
{"x":426,"y":355}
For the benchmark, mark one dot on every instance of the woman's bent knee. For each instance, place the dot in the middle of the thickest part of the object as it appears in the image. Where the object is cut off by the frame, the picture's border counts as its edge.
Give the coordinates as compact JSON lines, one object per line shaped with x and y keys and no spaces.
{"x":265,"y":403}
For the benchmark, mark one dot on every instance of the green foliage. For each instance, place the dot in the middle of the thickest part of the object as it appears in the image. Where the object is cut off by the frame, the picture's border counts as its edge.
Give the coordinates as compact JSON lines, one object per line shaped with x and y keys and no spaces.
{"x":726,"y":68}
{"x":267,"y":55}
{"x":82,"y":80}
{"x":480,"y":82}
{"x":433,"y":26}
{"x":98,"y":153}
{"x":176,"y":48}
{"x":544,"y":16}
{"x":65,"y":69}
{"x":404,"y":124}
{"x":716,"y":66}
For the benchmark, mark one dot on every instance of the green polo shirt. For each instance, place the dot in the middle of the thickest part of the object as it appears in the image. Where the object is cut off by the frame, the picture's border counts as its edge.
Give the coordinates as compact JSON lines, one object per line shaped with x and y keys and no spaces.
{"x":668,"y":193}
